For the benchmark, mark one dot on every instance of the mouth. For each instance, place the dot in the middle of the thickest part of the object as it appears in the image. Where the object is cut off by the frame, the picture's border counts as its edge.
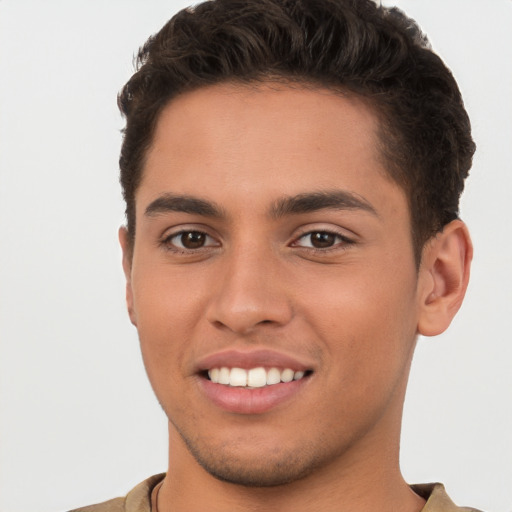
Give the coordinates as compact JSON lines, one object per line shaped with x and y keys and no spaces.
{"x":253,"y":378}
{"x":252,"y":382}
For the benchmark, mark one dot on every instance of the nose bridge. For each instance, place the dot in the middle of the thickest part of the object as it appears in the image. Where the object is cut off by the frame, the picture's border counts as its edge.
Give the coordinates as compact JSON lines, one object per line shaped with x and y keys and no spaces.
{"x":250,"y":290}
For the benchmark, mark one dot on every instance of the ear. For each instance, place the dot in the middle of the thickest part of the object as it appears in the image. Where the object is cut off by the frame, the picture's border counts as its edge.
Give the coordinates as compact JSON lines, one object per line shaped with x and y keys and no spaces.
{"x":443,"y":277}
{"x":126,"y":246}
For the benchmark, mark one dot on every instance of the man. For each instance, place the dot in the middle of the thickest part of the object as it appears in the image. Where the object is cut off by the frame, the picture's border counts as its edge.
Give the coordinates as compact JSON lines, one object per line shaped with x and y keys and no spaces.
{"x":292,"y":171}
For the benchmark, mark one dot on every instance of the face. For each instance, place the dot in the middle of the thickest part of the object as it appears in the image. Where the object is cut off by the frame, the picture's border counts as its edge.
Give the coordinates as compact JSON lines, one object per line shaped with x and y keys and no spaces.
{"x":273,"y":282}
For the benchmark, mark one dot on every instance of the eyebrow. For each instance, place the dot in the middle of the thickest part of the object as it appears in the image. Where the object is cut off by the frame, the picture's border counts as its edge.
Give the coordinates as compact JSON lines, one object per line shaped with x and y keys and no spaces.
{"x":292,"y":205}
{"x":322,"y":200}
{"x":185,"y":204}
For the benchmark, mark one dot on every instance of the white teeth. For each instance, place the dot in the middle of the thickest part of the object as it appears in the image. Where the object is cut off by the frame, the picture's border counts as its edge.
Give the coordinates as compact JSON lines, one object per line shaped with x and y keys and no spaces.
{"x":253,"y":378}
{"x":224,"y":375}
{"x":273,"y":376}
{"x":238,"y":377}
{"x":287,"y":375}
{"x":257,"y":377}
{"x":214,"y":375}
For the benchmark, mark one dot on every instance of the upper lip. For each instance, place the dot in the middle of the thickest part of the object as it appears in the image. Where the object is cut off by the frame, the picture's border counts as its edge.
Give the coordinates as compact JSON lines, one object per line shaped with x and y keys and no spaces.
{"x":252,"y":359}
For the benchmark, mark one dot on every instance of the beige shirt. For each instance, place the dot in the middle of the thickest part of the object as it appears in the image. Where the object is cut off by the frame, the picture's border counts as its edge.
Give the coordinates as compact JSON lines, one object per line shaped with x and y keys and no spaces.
{"x":139,"y":499}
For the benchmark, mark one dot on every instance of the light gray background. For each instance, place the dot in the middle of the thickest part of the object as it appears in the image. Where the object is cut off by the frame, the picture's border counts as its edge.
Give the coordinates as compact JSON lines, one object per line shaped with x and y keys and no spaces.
{"x":79,"y":423}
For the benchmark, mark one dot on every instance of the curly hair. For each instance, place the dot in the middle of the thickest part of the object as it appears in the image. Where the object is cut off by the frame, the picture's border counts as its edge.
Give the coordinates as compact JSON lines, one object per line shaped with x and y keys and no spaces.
{"x":348,"y":46}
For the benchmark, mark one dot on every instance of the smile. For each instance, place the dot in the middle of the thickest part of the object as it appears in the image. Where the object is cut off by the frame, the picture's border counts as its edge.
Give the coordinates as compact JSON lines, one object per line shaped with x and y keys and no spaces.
{"x":253,"y":382}
{"x":253,"y":378}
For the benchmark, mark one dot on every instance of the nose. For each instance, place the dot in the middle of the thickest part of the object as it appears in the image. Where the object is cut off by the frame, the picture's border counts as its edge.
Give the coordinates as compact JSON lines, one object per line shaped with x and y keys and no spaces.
{"x":250,"y":292}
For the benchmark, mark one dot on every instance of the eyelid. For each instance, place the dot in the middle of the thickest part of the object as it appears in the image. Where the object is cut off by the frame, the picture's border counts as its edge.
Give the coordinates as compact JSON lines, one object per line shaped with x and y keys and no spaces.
{"x":170,"y":234}
{"x":345,"y":240}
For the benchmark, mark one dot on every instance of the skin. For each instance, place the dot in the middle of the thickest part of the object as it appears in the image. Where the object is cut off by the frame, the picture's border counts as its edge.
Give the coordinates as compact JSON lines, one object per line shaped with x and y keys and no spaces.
{"x":351,"y":309}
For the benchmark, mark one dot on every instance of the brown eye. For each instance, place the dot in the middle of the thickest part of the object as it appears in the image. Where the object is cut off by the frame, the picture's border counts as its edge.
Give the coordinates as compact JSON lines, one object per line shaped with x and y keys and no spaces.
{"x":190,"y":241}
{"x":193,"y":239}
{"x":322,"y":239}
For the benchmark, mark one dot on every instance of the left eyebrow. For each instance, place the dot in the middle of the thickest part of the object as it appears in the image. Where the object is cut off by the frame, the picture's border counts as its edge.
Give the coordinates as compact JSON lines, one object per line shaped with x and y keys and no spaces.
{"x":185,"y":204}
{"x":321,"y":200}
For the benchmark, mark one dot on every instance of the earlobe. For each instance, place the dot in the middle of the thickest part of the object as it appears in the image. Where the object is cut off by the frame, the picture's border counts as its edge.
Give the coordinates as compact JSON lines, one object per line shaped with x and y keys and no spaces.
{"x":126,"y":246}
{"x":444,"y":276}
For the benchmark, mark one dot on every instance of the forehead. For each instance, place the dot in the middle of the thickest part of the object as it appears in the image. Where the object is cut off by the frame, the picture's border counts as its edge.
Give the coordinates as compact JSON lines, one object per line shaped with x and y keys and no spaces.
{"x":255,"y":110}
{"x":263,"y":140}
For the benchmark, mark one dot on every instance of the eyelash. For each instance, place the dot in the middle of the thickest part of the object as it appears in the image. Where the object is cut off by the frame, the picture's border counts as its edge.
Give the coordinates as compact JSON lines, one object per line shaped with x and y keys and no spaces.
{"x":341,"y":242}
{"x":168,"y":244}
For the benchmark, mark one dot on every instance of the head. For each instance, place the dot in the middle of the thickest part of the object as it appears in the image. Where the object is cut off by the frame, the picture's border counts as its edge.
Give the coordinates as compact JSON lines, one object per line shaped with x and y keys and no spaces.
{"x":353,"y":48}
{"x":292,"y":172}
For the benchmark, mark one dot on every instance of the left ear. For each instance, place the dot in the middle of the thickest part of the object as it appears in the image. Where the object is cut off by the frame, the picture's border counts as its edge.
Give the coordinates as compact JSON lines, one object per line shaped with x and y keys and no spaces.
{"x":443,"y":277}
{"x":126,"y":246}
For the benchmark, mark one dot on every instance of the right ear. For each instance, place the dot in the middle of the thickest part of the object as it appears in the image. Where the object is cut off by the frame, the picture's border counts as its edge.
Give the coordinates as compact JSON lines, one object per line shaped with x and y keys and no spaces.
{"x":445,"y":268}
{"x":127,"y":247}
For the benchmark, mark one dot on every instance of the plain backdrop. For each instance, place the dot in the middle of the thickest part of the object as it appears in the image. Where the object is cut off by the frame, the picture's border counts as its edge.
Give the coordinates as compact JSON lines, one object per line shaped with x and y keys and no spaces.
{"x":79,"y":423}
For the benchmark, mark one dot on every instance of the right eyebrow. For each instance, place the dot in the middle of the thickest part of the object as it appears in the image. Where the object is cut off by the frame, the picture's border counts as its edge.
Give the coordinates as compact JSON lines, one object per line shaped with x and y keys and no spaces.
{"x":185,"y":204}
{"x":320,"y":200}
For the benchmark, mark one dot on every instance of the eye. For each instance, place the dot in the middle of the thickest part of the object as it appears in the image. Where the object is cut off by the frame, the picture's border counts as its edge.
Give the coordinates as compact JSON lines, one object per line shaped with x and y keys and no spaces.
{"x":321,"y":240}
{"x":190,"y":240}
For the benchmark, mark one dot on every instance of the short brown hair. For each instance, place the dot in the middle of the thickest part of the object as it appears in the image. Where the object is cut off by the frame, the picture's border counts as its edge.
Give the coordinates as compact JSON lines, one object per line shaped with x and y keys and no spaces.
{"x":353,"y":46}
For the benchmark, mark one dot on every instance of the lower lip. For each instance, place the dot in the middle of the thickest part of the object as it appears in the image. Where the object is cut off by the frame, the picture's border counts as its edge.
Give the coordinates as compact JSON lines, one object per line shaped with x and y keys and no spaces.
{"x":251,"y":401}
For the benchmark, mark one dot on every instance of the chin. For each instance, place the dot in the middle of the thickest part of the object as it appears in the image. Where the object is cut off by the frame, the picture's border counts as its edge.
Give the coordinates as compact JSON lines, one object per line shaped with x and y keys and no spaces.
{"x":256,"y":473}
{"x":255,"y":467}
{"x":265,"y":477}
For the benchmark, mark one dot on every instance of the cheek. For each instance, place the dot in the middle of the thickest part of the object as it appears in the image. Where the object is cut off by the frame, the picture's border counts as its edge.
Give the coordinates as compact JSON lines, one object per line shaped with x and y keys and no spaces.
{"x":368,"y":343}
{"x":167,"y":311}
{"x":166,"y":298}
{"x":366,"y":318}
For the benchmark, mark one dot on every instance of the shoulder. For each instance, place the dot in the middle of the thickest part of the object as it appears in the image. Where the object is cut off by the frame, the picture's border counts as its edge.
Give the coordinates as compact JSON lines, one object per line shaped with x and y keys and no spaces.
{"x":437,"y":499}
{"x":137,"y":500}
{"x":114,"y":505}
